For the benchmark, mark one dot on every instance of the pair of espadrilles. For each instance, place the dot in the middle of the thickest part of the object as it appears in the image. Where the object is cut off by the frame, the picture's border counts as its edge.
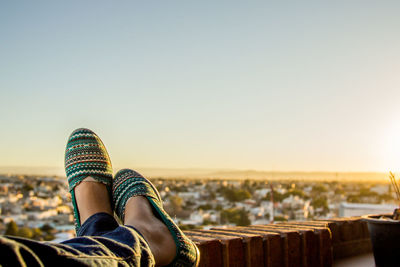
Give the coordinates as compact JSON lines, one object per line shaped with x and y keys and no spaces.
{"x":86,"y":155}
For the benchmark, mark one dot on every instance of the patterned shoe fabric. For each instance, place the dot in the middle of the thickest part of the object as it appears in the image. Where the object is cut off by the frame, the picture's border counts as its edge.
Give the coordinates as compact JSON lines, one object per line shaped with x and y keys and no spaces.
{"x":128,"y":183}
{"x":86,"y":155}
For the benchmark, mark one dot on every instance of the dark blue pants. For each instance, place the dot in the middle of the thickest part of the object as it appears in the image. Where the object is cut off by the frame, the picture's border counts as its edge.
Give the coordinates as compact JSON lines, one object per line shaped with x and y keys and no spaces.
{"x":100,"y":242}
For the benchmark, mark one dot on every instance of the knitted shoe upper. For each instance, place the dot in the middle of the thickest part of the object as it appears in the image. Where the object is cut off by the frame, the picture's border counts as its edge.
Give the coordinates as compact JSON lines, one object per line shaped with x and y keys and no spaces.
{"x":86,"y":155}
{"x":129,"y":183}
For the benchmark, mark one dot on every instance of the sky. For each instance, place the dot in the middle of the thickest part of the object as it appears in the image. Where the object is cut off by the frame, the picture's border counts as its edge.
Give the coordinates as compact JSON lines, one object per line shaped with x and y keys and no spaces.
{"x":288,"y":86}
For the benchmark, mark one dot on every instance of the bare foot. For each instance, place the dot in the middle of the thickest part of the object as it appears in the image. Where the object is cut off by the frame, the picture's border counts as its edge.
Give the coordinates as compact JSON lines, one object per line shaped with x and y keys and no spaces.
{"x":91,"y":198}
{"x":139,"y":214}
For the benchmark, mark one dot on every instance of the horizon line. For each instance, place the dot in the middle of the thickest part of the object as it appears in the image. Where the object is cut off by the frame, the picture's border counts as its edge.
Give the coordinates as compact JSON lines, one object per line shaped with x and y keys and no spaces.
{"x":209,"y":169}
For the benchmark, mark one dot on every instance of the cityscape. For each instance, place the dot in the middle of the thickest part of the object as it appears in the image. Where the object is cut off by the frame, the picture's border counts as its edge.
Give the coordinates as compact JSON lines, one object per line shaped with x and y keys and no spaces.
{"x":39,"y":207}
{"x":270,"y":129}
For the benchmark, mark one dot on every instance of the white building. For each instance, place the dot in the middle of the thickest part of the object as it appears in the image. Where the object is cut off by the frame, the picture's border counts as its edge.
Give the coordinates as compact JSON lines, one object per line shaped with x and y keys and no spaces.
{"x":260,"y":193}
{"x":189,"y":195}
{"x":380,"y":189}
{"x":358,"y":209}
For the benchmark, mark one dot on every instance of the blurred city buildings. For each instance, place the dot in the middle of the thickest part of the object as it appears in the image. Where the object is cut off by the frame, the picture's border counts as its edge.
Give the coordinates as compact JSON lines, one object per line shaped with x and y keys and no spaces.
{"x":40,"y":206}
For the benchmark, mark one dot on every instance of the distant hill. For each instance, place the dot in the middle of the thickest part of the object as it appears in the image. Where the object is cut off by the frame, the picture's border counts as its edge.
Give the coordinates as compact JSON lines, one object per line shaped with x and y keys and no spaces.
{"x":218,"y":174}
{"x":47,"y":171}
{"x":330,"y":176}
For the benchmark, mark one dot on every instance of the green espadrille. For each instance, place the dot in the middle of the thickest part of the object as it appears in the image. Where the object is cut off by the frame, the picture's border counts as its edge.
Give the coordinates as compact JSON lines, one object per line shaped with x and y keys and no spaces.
{"x":128,"y":183}
{"x":85,"y":155}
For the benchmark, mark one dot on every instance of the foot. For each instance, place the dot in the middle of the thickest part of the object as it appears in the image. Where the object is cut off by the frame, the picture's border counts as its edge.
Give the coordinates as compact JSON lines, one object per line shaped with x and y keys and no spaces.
{"x":92,"y":197}
{"x":139,"y":214}
{"x":86,"y":156}
{"x":138,"y":203}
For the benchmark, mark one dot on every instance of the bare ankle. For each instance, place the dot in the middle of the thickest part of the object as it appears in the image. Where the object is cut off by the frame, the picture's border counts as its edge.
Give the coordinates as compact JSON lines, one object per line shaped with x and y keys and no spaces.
{"x":92,"y":197}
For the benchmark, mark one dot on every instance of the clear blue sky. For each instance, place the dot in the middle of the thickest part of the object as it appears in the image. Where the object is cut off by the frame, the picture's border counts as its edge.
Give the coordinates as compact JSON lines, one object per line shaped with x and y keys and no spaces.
{"x":208,"y":84}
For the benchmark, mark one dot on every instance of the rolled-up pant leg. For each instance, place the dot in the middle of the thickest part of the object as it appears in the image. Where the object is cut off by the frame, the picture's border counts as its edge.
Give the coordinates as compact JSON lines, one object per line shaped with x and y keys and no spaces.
{"x":100,"y":242}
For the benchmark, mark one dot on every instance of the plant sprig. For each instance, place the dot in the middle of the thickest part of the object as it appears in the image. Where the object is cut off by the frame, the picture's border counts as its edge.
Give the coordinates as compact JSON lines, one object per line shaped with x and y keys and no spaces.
{"x":395,"y":185}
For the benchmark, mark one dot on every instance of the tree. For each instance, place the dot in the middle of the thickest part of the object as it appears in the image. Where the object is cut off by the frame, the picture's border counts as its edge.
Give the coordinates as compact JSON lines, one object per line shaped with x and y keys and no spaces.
{"x":235,"y":195}
{"x":37,"y":233}
{"x":12,"y":228}
{"x":318,"y":189}
{"x":297,"y":192}
{"x":56,"y":187}
{"x":320,"y":203}
{"x":25,"y":232}
{"x":206,"y":206}
{"x":278,"y":197}
{"x":27,"y":187}
{"x":208,"y":222}
{"x":248,"y":185}
{"x":235,"y":216}
{"x":46,"y":228}
{"x":48,"y":237}
{"x":280,"y":219}
{"x":176,"y":203}
{"x":185,"y":227}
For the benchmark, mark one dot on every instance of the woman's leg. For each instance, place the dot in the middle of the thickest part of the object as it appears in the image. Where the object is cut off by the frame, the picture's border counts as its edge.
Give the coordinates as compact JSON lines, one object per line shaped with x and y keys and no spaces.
{"x":100,"y":241}
{"x":121,"y":247}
